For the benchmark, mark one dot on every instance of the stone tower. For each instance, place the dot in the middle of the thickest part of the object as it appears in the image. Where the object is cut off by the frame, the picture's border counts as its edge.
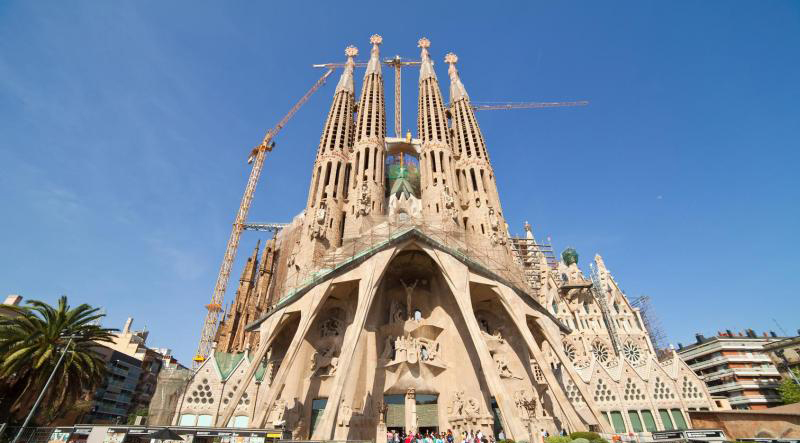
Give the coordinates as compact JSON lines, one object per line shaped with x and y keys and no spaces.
{"x":436,"y":159}
{"x":325,"y":209}
{"x":480,"y":202}
{"x":368,"y":155}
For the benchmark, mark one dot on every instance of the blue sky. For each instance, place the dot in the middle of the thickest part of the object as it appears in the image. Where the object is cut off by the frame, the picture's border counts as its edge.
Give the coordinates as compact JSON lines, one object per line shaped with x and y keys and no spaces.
{"x":125,"y":128}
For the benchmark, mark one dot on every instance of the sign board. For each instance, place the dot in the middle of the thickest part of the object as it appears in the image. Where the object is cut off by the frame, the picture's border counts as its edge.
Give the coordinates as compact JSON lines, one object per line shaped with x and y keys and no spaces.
{"x":667,"y":435}
{"x":705,"y":433}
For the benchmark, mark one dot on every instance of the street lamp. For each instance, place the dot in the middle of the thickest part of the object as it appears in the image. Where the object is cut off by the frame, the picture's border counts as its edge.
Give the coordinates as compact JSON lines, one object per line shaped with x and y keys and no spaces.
{"x":46,"y":385}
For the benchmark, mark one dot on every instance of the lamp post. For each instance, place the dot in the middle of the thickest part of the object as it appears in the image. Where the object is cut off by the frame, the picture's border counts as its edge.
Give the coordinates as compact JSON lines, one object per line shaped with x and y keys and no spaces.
{"x":44,"y":389}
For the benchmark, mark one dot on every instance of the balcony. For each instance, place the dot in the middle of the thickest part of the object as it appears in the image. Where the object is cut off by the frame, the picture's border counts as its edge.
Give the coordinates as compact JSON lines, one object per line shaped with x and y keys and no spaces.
{"x":739,"y":385}
{"x":746,"y":399}
{"x":729,"y":358}
{"x":740,"y":371}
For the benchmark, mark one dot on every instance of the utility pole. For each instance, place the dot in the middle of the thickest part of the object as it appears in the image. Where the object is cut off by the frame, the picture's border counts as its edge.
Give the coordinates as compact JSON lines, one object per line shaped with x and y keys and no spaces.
{"x":44,"y":389}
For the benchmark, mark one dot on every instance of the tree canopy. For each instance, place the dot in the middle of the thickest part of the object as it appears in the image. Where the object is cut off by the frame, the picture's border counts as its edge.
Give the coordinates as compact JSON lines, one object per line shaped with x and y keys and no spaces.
{"x":31,"y":342}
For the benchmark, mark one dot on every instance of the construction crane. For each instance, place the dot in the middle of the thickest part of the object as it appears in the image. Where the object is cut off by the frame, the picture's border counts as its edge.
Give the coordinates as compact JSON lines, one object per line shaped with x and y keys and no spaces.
{"x":398,"y":64}
{"x":256,"y":158}
{"x":268,"y":227}
{"x":525,"y":105}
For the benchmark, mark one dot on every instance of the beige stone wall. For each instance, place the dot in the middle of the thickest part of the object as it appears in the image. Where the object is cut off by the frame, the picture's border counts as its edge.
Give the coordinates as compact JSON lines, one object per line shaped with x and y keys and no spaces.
{"x":749,"y":424}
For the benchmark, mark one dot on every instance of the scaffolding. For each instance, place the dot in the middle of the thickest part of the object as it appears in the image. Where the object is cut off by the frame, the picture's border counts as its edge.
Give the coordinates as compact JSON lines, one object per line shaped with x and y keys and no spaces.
{"x":651,"y":322}
{"x":496,"y":259}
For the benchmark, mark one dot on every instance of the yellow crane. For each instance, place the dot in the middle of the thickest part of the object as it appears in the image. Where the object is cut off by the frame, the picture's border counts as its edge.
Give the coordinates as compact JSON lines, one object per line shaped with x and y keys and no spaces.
{"x":256,"y":158}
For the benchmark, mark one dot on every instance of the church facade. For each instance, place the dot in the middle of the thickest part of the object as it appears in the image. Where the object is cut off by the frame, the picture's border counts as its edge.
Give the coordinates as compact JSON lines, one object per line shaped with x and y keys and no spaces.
{"x":398,"y":300}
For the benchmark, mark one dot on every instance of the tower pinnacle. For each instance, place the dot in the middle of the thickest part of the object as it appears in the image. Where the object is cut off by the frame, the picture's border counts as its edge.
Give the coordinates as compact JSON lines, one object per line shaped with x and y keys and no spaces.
{"x":457,"y":90}
{"x":426,"y":69}
{"x":346,"y":80}
{"x":374,"y":65}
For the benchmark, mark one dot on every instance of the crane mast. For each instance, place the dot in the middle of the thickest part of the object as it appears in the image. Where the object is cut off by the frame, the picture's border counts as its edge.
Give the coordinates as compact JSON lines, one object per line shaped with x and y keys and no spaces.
{"x":257,"y":157}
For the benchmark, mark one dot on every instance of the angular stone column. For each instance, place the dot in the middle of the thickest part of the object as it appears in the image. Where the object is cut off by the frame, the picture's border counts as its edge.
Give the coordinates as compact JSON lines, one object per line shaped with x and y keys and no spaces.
{"x":566,"y":363}
{"x":573,"y":419}
{"x":456,"y":274}
{"x":270,"y":325}
{"x":370,"y":274}
{"x":317,"y":295}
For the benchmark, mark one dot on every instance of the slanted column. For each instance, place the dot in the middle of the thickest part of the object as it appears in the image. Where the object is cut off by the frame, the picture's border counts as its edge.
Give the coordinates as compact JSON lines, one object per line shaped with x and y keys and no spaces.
{"x":436,"y":154}
{"x":366,"y":193}
{"x":369,"y":280}
{"x":456,"y":274}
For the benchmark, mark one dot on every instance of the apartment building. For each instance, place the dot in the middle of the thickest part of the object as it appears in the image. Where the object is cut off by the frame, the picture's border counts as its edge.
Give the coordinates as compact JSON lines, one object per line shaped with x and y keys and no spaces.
{"x":736,"y":366}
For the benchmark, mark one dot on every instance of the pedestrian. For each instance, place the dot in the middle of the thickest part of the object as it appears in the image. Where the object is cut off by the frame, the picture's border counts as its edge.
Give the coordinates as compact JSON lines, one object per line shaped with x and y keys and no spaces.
{"x":501,"y":435}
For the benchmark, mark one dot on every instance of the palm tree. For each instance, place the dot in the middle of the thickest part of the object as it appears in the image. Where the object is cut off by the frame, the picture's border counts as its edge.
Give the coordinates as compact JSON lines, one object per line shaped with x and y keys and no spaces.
{"x":30,"y":345}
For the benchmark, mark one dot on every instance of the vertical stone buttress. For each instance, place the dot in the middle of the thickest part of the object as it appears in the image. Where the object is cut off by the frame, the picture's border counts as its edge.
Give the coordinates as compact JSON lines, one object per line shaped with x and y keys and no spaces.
{"x":436,"y":161}
{"x":480,"y":202}
{"x":231,"y":336}
{"x":325,"y":210}
{"x":368,"y":157}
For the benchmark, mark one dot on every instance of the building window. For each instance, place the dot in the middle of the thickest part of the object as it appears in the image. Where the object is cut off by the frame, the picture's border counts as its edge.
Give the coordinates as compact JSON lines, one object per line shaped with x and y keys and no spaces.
{"x":187,"y":420}
{"x":240,"y":421}
{"x":204,"y":420}
{"x":617,"y":421}
{"x":665,"y":420}
{"x":680,"y":422}
{"x":317,"y":408}
{"x":636,"y":422}
{"x":649,"y":420}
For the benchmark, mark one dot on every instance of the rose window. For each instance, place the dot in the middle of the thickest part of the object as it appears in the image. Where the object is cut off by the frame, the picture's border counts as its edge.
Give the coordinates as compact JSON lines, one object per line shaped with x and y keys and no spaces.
{"x":600,"y":351}
{"x":631,"y":352}
{"x":569,"y":350}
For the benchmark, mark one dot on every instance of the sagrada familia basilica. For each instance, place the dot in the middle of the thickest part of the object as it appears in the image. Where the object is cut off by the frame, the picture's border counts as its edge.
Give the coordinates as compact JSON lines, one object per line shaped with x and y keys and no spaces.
{"x":398,"y":300}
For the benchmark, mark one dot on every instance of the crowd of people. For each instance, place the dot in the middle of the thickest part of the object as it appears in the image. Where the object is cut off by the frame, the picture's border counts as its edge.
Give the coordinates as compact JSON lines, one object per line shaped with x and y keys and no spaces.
{"x":448,"y":437}
{"x":440,"y":437}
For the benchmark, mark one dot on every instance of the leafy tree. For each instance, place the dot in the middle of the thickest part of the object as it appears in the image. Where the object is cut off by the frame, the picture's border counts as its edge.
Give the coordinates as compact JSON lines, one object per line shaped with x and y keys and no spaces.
{"x":31,"y":342}
{"x":789,"y":390}
{"x":138,"y":412}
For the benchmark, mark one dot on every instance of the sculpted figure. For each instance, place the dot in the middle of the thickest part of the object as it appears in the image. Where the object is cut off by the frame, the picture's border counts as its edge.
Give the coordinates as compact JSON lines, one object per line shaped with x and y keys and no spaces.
{"x":457,"y":409}
{"x":450,"y":204}
{"x":364,"y":200}
{"x":388,"y":348}
{"x":317,"y":228}
{"x":396,"y":312}
{"x":502,"y":366}
{"x":493,"y":221}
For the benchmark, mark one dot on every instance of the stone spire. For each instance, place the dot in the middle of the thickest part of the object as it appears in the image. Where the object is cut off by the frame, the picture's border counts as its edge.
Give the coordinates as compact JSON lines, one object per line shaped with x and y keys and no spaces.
{"x":328,"y":192}
{"x":374,"y":64}
{"x":476,"y":182}
{"x":457,"y":90}
{"x":368,"y":156}
{"x":346,"y":80}
{"x":436,"y":162}
{"x":426,"y":68}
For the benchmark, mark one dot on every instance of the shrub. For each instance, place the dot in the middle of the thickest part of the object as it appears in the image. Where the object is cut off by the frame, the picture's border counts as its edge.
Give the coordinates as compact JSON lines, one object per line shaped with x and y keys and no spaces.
{"x":587,"y":435}
{"x":557,"y":439}
{"x":580,"y":440}
{"x":601,"y":440}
